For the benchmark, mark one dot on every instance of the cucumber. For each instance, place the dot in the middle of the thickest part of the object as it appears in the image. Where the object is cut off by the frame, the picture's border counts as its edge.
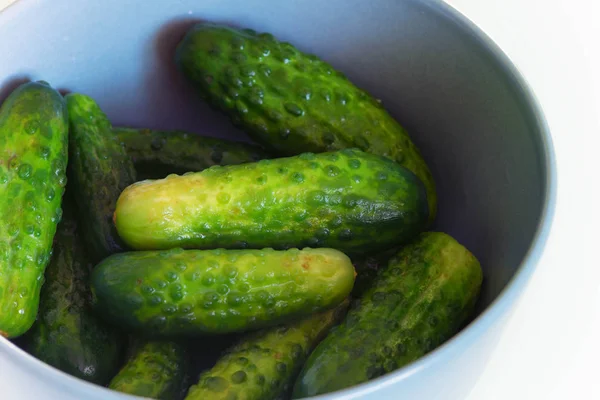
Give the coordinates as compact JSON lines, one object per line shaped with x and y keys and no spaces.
{"x":185,"y":292}
{"x":156,"y":369}
{"x":156,"y":154}
{"x":264,"y":365}
{"x":66,"y":334}
{"x":340,"y":199}
{"x":290,"y":101}
{"x":99,"y":170}
{"x":33,"y":158}
{"x":367,"y":267}
{"x":423,"y":297}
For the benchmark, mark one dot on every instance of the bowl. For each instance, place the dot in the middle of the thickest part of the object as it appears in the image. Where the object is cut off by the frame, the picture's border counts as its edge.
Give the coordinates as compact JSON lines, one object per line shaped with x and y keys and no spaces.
{"x":463,"y":102}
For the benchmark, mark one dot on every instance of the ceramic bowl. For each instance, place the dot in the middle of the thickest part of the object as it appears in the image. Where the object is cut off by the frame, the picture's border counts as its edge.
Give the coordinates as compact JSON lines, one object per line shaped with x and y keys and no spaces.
{"x":463,"y":102}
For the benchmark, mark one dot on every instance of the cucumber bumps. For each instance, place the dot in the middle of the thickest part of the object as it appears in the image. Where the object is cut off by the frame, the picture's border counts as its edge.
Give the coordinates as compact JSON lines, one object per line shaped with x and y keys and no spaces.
{"x":33,"y":158}
{"x":179,"y":292}
{"x":156,"y":369}
{"x":263,"y":365}
{"x":157,"y":154}
{"x":348,"y":200}
{"x":423,"y":297}
{"x":290,"y":101}
{"x":66,"y":334}
{"x":99,"y":170}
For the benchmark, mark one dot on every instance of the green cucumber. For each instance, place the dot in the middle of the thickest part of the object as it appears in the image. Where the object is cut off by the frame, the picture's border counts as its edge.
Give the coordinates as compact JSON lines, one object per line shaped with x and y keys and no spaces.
{"x":185,"y":292}
{"x":33,"y":158}
{"x":263,"y":365}
{"x":156,"y":369}
{"x":99,"y":170}
{"x":156,"y":154}
{"x":341,"y":200}
{"x":290,"y":101}
{"x":423,"y":297}
{"x":66,"y":334}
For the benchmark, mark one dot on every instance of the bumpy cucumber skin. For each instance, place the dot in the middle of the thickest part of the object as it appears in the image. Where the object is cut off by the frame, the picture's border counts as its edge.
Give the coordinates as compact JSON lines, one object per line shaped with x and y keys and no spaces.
{"x":423,"y":297}
{"x":156,"y":369}
{"x":291,"y":101}
{"x":66,"y":334}
{"x":348,"y":200}
{"x":263,"y":365}
{"x":33,"y":155}
{"x":179,"y":292}
{"x":156,"y":154}
{"x":99,"y":170}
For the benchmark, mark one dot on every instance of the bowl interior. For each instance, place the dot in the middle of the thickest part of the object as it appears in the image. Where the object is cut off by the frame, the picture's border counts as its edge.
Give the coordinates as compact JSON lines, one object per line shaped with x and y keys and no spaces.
{"x":461,"y":107}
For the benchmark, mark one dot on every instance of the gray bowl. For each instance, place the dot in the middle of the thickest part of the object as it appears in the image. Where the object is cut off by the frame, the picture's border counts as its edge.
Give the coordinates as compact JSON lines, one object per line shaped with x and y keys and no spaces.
{"x":461,"y":99}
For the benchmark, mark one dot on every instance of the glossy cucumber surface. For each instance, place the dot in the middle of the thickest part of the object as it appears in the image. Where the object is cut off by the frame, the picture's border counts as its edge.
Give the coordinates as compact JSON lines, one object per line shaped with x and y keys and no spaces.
{"x":263,"y":365}
{"x":67,"y":335}
{"x":156,"y":369}
{"x":348,"y":200}
{"x":99,"y":170}
{"x":423,"y":297}
{"x":193,"y":292}
{"x":291,"y":101}
{"x":33,"y":158}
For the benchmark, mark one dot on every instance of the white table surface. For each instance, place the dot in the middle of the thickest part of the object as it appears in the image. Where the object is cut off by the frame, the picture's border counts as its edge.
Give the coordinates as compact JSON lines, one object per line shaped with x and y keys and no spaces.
{"x":551,"y":344}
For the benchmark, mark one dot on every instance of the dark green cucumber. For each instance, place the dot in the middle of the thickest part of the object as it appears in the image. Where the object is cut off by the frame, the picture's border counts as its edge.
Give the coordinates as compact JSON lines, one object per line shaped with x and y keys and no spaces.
{"x":367,"y":267}
{"x":33,"y":158}
{"x":291,"y":101}
{"x":156,"y":154}
{"x":263,"y":365}
{"x":66,"y":334}
{"x":423,"y":297}
{"x":99,"y":170}
{"x":218,"y":291}
{"x":156,"y":369}
{"x":341,"y":199}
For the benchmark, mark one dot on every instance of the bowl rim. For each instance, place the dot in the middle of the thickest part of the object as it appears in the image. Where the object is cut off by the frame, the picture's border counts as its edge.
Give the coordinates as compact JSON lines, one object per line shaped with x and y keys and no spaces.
{"x":461,"y":340}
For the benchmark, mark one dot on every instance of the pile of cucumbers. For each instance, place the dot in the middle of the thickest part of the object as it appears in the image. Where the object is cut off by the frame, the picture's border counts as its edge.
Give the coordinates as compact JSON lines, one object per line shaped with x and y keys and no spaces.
{"x":126,"y":254}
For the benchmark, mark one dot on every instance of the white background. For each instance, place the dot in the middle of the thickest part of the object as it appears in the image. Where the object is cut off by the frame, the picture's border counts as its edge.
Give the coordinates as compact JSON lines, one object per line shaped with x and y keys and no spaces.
{"x":550,"y":348}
